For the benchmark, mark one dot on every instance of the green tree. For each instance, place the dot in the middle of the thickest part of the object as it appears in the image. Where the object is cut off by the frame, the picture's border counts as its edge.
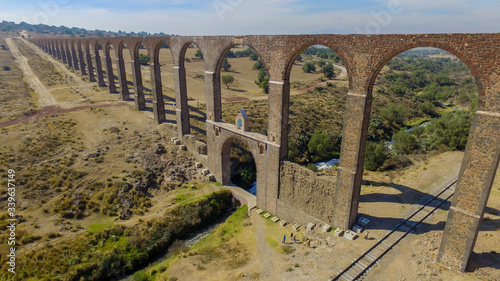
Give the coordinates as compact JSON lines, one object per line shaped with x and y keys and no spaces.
{"x":328,"y":70}
{"x":198,"y":54}
{"x":321,"y":63}
{"x":258,"y":65}
{"x":404,"y":142}
{"x":254,"y":56}
{"x":299,"y":58}
{"x":320,"y":146}
{"x":394,"y":113}
{"x":144,"y":59}
{"x":263,"y":80}
{"x":375,"y":155}
{"x":428,"y":108}
{"x":309,"y":67}
{"x":451,"y":130}
{"x":227,"y":80}
{"x":225,"y":64}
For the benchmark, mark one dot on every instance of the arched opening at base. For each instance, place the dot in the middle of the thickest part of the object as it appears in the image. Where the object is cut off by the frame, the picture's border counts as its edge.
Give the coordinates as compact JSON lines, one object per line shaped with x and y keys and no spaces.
{"x":243,"y":169}
{"x":239,"y":165}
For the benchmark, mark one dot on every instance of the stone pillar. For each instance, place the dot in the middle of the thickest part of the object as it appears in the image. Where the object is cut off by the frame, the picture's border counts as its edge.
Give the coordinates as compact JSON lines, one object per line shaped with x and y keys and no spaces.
{"x":89,"y":62}
{"x":68,"y":56}
{"x":140,"y":101}
{"x":181,"y":102}
{"x":49,"y":48}
{"x":157,"y":91}
{"x":63,"y":53}
{"x":58,"y":50}
{"x":279,"y":102}
{"x":350,"y":172}
{"x":98,"y":67}
{"x":81,"y":61}
{"x":75,"y":57}
{"x":476,"y":177}
{"x":213,"y":96}
{"x":109,"y":71}
{"x":122,"y":75}
{"x":214,"y":113}
{"x":53,"y":47}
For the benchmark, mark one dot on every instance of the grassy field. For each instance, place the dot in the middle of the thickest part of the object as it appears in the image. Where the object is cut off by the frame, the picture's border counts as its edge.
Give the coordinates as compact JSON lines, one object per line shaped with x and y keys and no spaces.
{"x":15,"y":97}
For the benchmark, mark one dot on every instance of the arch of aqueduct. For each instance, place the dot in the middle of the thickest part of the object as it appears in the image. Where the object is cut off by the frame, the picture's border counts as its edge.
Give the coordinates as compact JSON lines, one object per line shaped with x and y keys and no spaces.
{"x":363,"y":56}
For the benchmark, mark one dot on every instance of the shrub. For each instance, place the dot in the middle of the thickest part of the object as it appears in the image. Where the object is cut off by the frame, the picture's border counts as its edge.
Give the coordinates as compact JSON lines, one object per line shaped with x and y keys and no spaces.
{"x":312,"y":167}
{"x":398,"y":161}
{"x":144,"y":59}
{"x":404,"y":142}
{"x":309,"y":67}
{"x":375,"y":155}
{"x":394,"y":113}
{"x":287,"y":249}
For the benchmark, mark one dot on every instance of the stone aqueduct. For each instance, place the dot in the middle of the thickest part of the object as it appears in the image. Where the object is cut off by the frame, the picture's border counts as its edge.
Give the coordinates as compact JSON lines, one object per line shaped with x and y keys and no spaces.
{"x":363,"y":56}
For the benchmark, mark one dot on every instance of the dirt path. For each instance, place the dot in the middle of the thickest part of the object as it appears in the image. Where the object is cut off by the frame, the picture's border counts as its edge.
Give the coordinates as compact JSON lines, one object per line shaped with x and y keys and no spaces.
{"x":85,"y":87}
{"x":54,"y":110}
{"x":44,"y":97}
{"x":266,"y":254}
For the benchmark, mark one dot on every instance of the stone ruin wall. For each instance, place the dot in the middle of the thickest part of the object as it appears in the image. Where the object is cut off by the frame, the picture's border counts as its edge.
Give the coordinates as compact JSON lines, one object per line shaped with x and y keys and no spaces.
{"x":301,"y":189}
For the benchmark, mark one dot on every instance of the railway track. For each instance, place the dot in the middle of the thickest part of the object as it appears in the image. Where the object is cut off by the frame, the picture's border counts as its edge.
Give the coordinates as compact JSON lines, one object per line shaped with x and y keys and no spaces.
{"x":370,"y":257}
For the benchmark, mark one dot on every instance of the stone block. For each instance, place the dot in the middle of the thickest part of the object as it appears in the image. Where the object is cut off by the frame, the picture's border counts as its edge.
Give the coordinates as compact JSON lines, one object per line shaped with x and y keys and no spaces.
{"x":351,"y":235}
{"x":259,"y":211}
{"x":326,"y":228}
{"x":310,"y":226}
{"x":338,"y":232}
{"x":356,"y":228}
{"x":275,"y":219}
{"x":177,"y":142}
{"x":174,"y":139}
{"x":182,"y":147}
{"x":267,"y":215}
{"x":296,"y":227}
{"x":283,"y":223}
{"x":205,"y":172}
{"x":198,"y":164}
{"x":211,"y":177}
{"x":362,"y":221}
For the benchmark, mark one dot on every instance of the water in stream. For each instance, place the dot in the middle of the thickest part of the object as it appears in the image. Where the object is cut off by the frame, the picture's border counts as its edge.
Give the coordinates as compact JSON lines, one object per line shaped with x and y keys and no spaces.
{"x":189,"y":240}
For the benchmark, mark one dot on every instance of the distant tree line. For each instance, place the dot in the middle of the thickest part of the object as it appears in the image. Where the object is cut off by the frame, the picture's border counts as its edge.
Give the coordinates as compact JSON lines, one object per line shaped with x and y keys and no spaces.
{"x":8,"y":26}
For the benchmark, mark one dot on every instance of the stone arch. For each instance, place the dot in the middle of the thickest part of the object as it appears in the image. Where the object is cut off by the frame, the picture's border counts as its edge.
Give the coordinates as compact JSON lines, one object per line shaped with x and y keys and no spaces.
{"x":302,"y":47}
{"x":225,"y":149}
{"x":381,"y":63}
{"x":187,"y":115}
{"x":218,"y":69}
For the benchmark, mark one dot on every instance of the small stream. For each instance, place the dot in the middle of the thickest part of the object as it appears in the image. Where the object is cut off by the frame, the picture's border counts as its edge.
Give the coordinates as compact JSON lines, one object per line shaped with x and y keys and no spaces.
{"x":188,"y":240}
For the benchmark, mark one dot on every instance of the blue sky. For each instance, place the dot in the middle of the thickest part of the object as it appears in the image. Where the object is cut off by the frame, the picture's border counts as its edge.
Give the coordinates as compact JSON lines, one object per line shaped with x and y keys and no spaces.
{"x":241,"y":17}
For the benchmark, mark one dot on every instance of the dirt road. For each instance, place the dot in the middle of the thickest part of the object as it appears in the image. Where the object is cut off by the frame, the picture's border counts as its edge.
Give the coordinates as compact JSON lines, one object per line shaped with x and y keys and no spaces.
{"x":44,"y":97}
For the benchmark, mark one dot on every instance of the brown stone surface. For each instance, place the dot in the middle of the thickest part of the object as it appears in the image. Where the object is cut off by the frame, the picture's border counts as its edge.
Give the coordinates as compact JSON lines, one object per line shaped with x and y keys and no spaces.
{"x":301,"y":189}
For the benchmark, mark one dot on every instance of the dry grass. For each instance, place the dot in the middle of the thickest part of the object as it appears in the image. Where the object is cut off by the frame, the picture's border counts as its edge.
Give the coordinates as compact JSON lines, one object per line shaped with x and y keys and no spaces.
{"x":15,"y":97}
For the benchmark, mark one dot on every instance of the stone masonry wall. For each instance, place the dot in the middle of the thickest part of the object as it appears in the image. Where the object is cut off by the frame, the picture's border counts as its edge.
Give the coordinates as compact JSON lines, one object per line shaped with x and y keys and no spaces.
{"x":301,"y":189}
